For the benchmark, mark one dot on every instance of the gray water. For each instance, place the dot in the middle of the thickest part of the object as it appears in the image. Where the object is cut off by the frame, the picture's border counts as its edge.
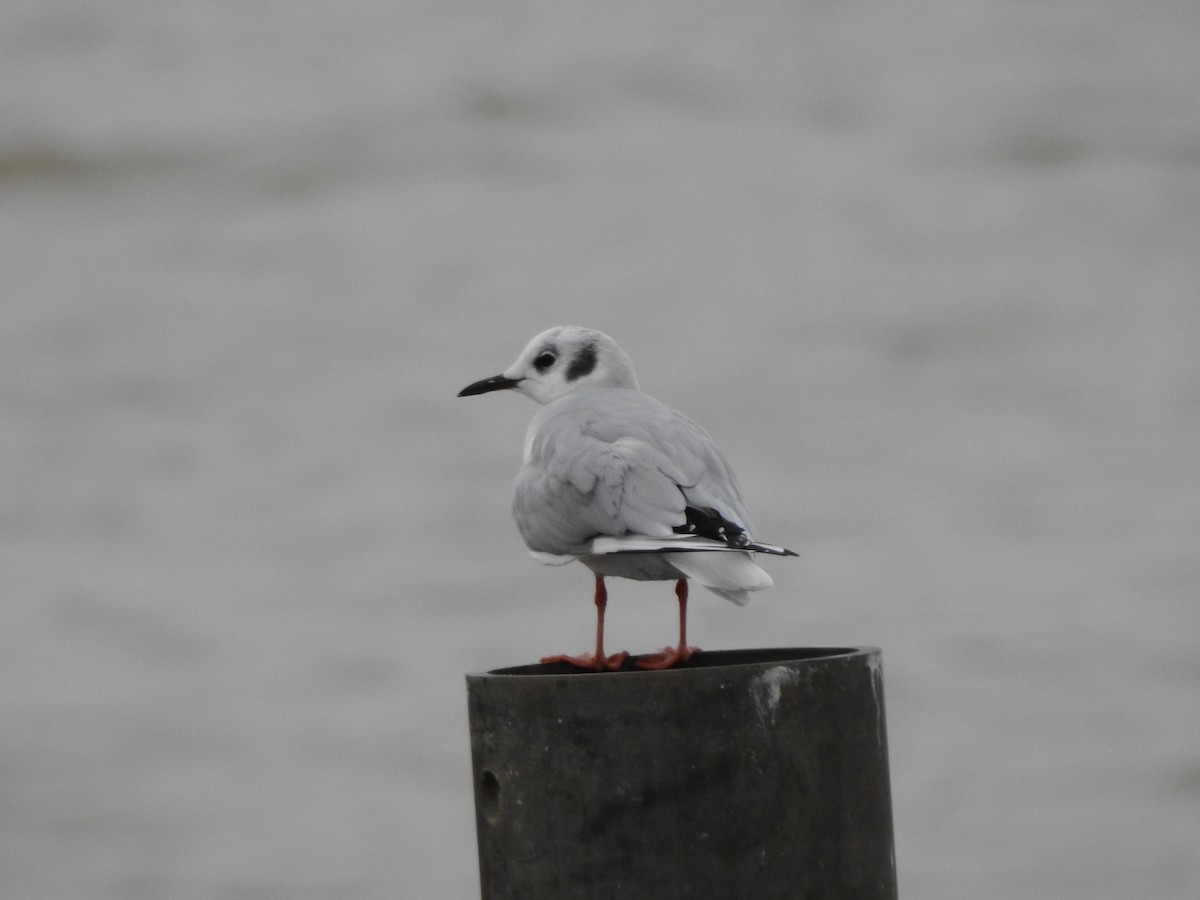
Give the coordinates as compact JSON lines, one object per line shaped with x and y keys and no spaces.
{"x":929,"y":272}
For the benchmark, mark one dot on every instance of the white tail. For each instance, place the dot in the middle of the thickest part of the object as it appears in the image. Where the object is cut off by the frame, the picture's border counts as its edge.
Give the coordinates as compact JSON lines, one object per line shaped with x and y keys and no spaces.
{"x":728,"y":575}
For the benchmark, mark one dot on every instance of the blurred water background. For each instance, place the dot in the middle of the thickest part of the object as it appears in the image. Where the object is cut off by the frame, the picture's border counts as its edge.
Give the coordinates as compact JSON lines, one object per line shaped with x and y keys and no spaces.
{"x":928,"y":270}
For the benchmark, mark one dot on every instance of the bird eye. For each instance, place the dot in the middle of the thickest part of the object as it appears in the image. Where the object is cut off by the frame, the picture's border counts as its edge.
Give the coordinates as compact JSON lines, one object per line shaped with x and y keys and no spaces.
{"x":544,"y":361}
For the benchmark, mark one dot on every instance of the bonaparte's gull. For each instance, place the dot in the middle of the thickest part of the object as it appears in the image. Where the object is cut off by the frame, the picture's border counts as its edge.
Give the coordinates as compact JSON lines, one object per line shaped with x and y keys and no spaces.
{"x":624,"y":484}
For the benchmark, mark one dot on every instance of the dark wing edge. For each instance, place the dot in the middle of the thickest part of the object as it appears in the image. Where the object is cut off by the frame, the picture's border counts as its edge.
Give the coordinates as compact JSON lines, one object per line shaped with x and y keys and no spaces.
{"x":707,"y":522}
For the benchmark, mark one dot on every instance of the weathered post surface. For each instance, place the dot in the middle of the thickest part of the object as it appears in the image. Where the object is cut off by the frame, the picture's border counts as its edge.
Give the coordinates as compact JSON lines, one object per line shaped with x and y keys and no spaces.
{"x":742,"y":774}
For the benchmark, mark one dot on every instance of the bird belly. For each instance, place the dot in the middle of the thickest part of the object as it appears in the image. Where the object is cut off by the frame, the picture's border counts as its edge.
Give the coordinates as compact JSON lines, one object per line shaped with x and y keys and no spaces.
{"x":637,"y":566}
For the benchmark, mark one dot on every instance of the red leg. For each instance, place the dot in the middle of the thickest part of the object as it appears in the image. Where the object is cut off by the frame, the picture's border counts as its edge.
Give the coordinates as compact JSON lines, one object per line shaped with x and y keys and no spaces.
{"x":671,"y":656}
{"x":598,"y":660}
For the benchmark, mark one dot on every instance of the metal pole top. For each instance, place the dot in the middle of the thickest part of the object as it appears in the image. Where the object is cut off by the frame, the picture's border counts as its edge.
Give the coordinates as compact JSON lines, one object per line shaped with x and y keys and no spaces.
{"x":741,"y":773}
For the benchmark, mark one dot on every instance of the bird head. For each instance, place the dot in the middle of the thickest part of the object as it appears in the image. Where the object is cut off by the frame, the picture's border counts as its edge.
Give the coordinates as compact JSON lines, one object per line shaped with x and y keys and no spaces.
{"x":560,"y":361}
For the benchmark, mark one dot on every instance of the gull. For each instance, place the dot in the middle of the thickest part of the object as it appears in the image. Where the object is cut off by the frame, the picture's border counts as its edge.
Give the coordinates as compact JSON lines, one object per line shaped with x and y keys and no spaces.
{"x":622,"y":483}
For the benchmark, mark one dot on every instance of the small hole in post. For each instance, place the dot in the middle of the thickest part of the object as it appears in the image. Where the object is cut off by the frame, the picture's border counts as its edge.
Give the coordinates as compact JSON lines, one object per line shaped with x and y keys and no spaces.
{"x":489,"y":794}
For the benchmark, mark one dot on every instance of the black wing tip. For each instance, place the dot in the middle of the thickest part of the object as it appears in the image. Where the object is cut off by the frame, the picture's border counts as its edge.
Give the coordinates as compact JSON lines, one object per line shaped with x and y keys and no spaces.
{"x":708,"y":522}
{"x":772,"y":549}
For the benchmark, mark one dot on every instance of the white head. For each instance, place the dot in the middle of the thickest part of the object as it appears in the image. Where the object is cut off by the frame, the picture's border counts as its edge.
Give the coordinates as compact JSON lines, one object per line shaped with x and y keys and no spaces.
{"x":562,"y":360}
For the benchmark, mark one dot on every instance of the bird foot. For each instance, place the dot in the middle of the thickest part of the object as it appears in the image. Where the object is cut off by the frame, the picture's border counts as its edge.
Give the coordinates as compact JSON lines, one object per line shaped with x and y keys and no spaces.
{"x":665,"y":658}
{"x":590,"y":661}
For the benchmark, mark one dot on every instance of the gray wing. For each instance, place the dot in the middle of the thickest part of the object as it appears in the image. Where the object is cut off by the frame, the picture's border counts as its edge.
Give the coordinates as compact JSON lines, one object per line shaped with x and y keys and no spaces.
{"x":613,"y":462}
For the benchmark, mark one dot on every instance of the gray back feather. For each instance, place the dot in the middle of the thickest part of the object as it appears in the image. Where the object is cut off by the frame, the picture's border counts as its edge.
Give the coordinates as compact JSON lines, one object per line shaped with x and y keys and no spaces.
{"x":614,"y":461}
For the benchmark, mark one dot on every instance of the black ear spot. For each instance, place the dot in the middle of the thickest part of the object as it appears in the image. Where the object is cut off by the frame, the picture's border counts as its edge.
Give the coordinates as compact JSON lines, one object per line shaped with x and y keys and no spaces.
{"x":583,"y":363}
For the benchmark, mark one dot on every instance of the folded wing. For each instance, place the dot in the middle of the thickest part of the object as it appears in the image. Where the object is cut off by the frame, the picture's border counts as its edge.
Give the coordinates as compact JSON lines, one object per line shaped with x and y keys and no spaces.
{"x":616,"y":463}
